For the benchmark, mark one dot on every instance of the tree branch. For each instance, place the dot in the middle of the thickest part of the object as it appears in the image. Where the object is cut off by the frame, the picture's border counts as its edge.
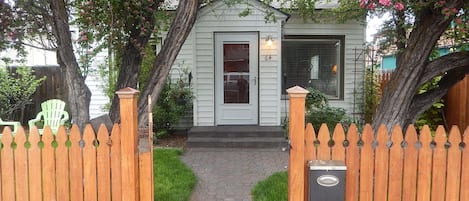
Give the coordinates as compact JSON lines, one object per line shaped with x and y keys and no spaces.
{"x":39,"y":47}
{"x":422,"y":102}
{"x":445,"y":63}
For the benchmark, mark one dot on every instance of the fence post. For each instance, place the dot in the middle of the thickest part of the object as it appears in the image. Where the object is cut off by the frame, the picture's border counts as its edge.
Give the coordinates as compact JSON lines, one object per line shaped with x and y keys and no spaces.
{"x":129,"y":143}
{"x":296,"y":133}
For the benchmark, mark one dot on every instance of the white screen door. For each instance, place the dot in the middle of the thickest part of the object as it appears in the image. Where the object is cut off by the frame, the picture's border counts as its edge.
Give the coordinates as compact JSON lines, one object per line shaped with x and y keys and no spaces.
{"x":236,"y":79}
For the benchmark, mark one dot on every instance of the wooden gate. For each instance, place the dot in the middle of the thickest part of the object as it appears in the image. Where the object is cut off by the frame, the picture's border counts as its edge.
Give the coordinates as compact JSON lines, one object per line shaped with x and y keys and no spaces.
{"x":79,"y":166}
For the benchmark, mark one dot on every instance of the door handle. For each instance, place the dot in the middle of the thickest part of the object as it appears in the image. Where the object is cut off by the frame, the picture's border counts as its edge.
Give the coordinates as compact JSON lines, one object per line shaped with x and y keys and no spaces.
{"x":254,"y":80}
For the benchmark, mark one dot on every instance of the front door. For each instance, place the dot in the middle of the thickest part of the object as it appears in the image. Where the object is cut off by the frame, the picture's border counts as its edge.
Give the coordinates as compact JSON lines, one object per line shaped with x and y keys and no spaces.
{"x":236,"y":78}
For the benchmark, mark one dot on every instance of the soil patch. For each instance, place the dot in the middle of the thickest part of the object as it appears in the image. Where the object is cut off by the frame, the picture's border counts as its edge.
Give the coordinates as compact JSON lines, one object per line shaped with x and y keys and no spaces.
{"x":172,"y":141}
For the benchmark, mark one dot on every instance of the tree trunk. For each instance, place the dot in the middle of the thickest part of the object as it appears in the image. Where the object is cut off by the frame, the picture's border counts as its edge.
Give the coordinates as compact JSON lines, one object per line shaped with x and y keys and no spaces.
{"x":181,"y":26}
{"x":400,"y":104}
{"x":132,"y":57}
{"x":78,"y":94}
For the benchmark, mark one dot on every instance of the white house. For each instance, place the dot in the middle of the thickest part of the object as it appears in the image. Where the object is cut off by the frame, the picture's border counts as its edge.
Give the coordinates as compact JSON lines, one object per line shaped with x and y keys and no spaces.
{"x":241,"y":66}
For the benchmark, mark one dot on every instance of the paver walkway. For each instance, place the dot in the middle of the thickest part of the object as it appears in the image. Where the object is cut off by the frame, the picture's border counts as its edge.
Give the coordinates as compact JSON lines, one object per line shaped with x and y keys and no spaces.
{"x":228,"y":174}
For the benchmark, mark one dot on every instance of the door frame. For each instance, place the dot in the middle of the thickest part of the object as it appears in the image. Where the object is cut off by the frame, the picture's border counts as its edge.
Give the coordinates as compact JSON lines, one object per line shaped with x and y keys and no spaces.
{"x":225,"y":113}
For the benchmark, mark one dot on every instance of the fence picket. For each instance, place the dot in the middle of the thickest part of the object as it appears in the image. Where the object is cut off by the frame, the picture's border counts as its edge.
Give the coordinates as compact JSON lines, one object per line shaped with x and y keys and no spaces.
{"x":424,"y":165}
{"x":89,"y":165}
{"x":310,"y":153}
{"x":323,"y":150}
{"x":48,"y":165}
{"x":352,"y":161}
{"x":103,"y":165}
{"x":76,"y":165}
{"x":439,"y":165}
{"x":409,"y":188}
{"x":381,"y":164}
{"x":62,"y":165}
{"x":34,"y":166}
{"x":366,"y":165}
{"x":21,"y":166}
{"x":464,"y":191}
{"x":310,"y":138}
{"x":453,"y":175}
{"x":116,"y":184}
{"x":338,"y":150}
{"x":396,"y":161}
{"x":8,"y":167}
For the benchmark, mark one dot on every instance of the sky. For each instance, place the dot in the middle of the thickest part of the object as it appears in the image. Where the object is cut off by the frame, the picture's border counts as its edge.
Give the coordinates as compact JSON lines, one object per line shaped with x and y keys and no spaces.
{"x":373,"y":25}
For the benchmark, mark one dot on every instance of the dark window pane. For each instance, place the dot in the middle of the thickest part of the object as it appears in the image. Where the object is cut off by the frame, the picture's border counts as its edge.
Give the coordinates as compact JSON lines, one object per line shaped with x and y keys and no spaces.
{"x":312,"y":63}
{"x":236,"y":73}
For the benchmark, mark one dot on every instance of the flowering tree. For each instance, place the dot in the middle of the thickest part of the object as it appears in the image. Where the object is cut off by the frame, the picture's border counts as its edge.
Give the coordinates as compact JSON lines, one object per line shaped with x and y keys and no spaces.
{"x":125,"y":27}
{"x":44,"y":24}
{"x":121,"y":26}
{"x":416,"y":28}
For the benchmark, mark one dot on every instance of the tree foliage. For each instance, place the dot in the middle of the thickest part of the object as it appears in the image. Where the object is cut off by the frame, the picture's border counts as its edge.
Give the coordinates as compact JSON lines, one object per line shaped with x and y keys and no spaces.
{"x":16,"y":90}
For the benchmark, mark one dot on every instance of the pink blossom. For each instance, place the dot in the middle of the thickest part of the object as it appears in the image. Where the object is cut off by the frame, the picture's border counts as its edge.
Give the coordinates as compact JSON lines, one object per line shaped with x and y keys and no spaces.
{"x":458,"y":20}
{"x":399,"y":6}
{"x":371,"y":6}
{"x":385,"y":2}
{"x":363,"y":3}
{"x":454,"y":10}
{"x":84,"y":38}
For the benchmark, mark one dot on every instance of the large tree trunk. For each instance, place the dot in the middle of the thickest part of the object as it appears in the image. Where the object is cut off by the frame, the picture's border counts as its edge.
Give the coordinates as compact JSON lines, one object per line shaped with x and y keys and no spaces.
{"x":400,"y":104}
{"x":78,"y":94}
{"x":181,"y":26}
{"x":132,"y":57}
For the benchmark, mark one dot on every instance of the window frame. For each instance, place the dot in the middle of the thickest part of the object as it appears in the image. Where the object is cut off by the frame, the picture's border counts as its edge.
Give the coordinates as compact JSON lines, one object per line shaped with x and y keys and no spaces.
{"x":341,"y":70}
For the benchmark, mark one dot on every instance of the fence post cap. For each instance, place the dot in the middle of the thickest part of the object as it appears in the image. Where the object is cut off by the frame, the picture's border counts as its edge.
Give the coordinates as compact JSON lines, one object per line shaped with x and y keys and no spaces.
{"x":127,"y":92}
{"x":297,"y":91}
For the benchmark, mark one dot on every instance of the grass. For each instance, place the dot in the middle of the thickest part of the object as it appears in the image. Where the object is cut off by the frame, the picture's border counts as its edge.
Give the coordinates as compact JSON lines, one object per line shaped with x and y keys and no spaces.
{"x":274,"y":188}
{"x":174,"y":181}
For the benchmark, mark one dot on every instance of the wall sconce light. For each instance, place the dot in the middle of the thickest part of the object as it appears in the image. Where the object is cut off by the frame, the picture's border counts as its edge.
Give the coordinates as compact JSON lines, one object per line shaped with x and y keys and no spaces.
{"x":268,"y":41}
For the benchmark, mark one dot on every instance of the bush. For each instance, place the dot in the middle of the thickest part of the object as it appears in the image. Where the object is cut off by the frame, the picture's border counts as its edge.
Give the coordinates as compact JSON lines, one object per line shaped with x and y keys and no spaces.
{"x":16,"y":90}
{"x":173,"y":103}
{"x":318,"y":111}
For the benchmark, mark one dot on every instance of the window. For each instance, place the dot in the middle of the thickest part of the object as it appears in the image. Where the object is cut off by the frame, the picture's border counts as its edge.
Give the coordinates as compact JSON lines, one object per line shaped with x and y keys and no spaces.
{"x":314,"y":61}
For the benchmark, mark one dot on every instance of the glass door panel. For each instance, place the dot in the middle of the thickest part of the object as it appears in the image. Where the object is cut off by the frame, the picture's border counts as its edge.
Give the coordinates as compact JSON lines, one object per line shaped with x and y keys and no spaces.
{"x":236,"y":73}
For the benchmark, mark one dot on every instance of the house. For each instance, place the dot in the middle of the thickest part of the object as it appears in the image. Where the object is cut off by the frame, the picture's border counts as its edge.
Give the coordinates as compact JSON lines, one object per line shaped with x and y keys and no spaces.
{"x":242,"y":65}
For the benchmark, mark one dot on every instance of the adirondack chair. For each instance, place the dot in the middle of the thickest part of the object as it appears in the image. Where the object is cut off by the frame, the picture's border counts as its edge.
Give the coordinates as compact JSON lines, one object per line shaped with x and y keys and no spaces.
{"x":54,"y":114}
{"x":13,"y":124}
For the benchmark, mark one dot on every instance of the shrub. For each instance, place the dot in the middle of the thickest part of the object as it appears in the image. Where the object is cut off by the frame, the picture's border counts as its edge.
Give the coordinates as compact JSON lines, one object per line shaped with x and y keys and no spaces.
{"x":16,"y":90}
{"x":173,"y":103}
{"x":318,"y":111}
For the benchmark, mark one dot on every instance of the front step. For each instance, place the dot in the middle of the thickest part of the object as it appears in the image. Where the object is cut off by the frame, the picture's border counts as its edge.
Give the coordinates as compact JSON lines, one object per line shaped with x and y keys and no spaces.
{"x":236,"y":136}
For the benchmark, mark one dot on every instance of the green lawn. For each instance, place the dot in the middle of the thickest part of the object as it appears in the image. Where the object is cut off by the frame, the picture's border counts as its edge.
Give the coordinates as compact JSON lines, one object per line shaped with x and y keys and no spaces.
{"x":174,"y":181}
{"x":274,"y":188}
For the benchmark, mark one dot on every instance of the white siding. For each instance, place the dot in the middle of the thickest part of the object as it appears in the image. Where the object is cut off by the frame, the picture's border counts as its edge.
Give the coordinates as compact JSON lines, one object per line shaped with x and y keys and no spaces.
{"x":95,"y":83}
{"x":354,"y":33}
{"x":220,"y":18}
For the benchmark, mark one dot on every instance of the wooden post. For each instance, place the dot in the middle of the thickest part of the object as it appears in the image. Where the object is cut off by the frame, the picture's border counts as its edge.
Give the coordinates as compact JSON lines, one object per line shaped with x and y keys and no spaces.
{"x":129,"y":143}
{"x":296,"y":132}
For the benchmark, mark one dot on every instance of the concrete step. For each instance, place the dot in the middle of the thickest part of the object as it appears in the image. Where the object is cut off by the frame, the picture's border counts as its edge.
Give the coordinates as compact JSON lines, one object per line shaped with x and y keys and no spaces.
{"x":236,"y":131}
{"x":242,"y":142}
{"x":237,"y":136}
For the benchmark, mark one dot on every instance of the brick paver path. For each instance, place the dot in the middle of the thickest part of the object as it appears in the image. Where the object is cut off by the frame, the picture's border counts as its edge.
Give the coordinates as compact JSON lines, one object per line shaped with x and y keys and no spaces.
{"x":228,"y":174}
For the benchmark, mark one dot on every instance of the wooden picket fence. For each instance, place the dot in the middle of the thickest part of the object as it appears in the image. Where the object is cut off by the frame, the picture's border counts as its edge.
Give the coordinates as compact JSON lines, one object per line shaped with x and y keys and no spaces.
{"x":75,"y":166}
{"x":381,"y":166}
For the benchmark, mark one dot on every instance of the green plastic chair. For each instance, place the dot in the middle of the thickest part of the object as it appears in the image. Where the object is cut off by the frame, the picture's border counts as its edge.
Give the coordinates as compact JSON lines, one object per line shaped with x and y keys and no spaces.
{"x":54,"y":114}
{"x":14,"y":124}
